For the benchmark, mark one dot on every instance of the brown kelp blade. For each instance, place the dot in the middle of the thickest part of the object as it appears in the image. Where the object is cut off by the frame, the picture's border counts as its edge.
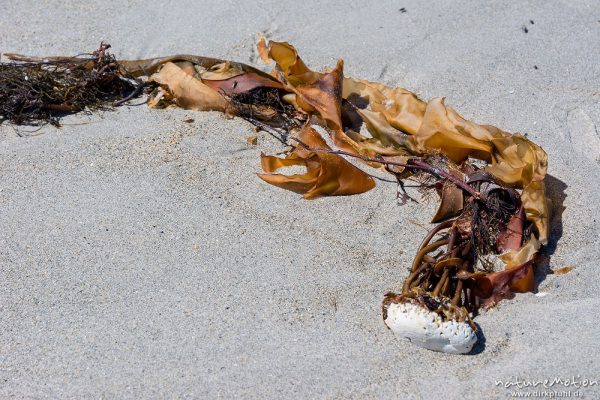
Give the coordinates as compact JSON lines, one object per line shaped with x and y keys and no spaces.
{"x":180,"y":88}
{"x":241,"y":83}
{"x":399,"y":121}
{"x":327,"y":174}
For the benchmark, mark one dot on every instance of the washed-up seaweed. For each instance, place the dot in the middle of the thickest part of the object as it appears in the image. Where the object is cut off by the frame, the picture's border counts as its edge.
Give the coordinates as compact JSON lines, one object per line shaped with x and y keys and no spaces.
{"x":35,"y":91}
{"x":492,"y":217}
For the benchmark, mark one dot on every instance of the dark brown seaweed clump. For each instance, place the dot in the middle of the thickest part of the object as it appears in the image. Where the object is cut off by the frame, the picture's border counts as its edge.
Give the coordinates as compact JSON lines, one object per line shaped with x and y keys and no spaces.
{"x":37,"y":91}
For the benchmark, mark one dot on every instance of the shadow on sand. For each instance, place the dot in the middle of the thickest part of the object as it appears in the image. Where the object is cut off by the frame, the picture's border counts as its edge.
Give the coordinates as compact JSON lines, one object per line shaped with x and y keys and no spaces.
{"x":555,"y":193}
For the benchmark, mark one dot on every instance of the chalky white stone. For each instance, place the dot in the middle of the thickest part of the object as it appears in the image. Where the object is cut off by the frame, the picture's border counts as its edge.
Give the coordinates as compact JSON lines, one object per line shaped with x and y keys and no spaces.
{"x":426,"y":329}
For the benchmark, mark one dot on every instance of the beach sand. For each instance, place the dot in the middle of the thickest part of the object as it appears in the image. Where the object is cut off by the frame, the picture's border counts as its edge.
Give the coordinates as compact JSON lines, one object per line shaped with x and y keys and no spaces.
{"x":141,"y":257}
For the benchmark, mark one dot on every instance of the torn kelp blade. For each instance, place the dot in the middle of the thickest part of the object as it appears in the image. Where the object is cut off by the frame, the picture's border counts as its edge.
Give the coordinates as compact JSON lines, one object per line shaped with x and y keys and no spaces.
{"x":427,"y":329}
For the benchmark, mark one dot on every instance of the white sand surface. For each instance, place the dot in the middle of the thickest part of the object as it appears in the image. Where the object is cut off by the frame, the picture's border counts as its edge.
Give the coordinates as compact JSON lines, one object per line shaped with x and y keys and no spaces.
{"x":141,"y":257}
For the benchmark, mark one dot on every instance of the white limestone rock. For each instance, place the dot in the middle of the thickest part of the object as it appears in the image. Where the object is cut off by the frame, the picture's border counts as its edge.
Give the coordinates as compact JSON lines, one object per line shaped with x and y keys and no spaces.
{"x":427,"y":329}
